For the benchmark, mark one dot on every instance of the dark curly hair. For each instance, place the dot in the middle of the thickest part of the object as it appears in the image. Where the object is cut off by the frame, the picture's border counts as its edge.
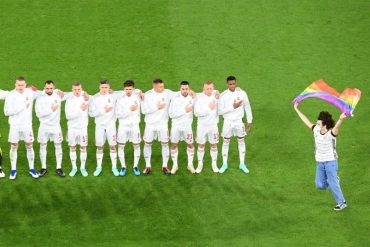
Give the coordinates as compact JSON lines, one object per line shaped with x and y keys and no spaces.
{"x":327,"y":119}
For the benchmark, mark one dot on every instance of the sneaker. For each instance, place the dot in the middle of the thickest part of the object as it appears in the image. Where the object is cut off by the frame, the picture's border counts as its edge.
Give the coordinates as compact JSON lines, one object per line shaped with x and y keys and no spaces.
{"x":122,"y":172}
{"x":215,"y":168}
{"x":73,"y":172}
{"x":166,"y":171}
{"x":244,"y":168}
{"x":84,"y":172}
{"x":13,"y":174}
{"x":97,"y":171}
{"x":340,"y":206}
{"x":60,"y":172}
{"x":223,"y":168}
{"x":191,"y":169}
{"x":174,"y":169}
{"x":2,"y":174}
{"x":136,"y":171}
{"x":147,"y":170}
{"x":115,"y":172}
{"x":43,"y":172}
{"x":33,"y":173}
{"x":199,"y":168}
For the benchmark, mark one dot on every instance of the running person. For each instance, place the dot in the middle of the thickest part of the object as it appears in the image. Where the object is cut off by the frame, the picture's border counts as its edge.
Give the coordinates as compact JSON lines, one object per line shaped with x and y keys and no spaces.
{"x":325,"y":132}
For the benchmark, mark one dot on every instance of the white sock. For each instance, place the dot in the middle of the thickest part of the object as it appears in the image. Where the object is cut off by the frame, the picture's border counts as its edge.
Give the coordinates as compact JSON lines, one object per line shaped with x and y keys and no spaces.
{"x":225,"y":150}
{"x":200,"y":155}
{"x":43,"y":153}
{"x":73,"y":156}
{"x":242,"y":149}
{"x":113,"y":158}
{"x":13,"y":157}
{"x":136,"y":154}
{"x":59,"y":155}
{"x":147,"y":153}
{"x":190,"y":152}
{"x":165,"y":154}
{"x":121,"y":154}
{"x":174,"y":155}
{"x":83,"y":157}
{"x":214,"y":153}
{"x":99,"y":157}
{"x":31,"y":157}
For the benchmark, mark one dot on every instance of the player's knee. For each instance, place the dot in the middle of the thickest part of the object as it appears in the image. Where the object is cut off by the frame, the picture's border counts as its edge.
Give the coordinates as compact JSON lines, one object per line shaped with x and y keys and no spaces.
{"x":148,"y":144}
{"x":72,"y":148}
{"x":83,"y":149}
{"x":240,"y":139}
{"x":112,"y":148}
{"x":213,"y":146}
{"x":99,"y":148}
{"x":174,"y":146}
{"x":136,"y":145}
{"x":226,"y":141}
{"x":29,"y":146}
{"x":121,"y":145}
{"x":190,"y":146}
{"x":14,"y":146}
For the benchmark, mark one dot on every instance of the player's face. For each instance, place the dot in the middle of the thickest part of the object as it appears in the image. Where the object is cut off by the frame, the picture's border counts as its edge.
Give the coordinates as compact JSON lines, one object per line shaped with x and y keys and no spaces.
{"x":184,"y":89}
{"x":76,"y":90}
{"x":208,"y":89}
{"x":49,"y":88}
{"x":129,"y":90}
{"x":321,"y":125}
{"x":20,"y":86}
{"x":158,"y":87}
{"x":104,"y":88}
{"x":231,"y":85}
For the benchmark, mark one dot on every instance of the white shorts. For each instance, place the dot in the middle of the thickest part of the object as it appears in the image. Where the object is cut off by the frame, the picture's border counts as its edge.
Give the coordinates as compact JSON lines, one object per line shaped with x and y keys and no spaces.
{"x":154,"y":132}
{"x":129,"y":133}
{"x":17,"y":134}
{"x":103,"y":134}
{"x":182,"y":134}
{"x":47,"y":134}
{"x":207,"y":133}
{"x":77,"y":137}
{"x":233,"y":129}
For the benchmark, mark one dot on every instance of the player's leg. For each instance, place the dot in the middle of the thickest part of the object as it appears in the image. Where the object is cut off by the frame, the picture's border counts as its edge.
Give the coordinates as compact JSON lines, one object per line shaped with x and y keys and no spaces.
{"x":100,"y":139}
{"x":201,"y":140}
{"x":2,"y":174}
{"x":42,"y":139}
{"x":122,"y":139}
{"x":57,"y":138}
{"x":164,"y":139}
{"x":213,"y":140}
{"x":239,"y":132}
{"x":73,"y":157}
{"x":189,"y":139}
{"x":148,"y":139}
{"x":83,"y":141}
{"x":136,"y":139}
{"x":175,"y":138}
{"x":13,"y":153}
{"x":111,"y":133}
{"x":31,"y":159}
{"x":331,"y":169}
{"x":226,"y":134}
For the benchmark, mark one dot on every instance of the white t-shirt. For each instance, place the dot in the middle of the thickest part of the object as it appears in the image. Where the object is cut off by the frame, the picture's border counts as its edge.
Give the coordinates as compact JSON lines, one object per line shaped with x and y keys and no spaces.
{"x":49,"y":119}
{"x":77,"y":118}
{"x":206,"y":116}
{"x":123,"y":111}
{"x":153,"y":115}
{"x":325,"y":145}
{"x":226,"y":107}
{"x":178,"y":112}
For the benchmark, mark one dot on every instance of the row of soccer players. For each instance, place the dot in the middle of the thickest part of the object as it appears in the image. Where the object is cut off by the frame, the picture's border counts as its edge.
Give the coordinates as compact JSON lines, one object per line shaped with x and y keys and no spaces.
{"x":158,"y":104}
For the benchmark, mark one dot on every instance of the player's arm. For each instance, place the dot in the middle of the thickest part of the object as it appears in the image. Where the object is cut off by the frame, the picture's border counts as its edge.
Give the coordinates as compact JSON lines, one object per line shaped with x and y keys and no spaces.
{"x":335,"y":130}
{"x":12,"y":107}
{"x":122,"y":110}
{"x":3,"y":94}
{"x":222,"y":107}
{"x":72,"y":111}
{"x":41,"y":110}
{"x":247,"y":108}
{"x":94,"y":110}
{"x":200,"y":110}
{"x":303,"y":117}
{"x":148,"y":106}
{"x":175,"y":110}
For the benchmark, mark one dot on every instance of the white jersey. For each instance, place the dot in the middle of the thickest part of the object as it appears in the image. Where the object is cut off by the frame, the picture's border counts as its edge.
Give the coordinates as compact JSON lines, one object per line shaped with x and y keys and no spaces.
{"x":177,"y":111}
{"x":325,"y":145}
{"x":49,"y":119}
{"x":153,"y":115}
{"x":123,"y":112}
{"x":3,"y":94}
{"x":226,"y":107}
{"x":18,"y":106}
{"x":206,"y":116}
{"x":77,"y":118}
{"x":97,"y":109}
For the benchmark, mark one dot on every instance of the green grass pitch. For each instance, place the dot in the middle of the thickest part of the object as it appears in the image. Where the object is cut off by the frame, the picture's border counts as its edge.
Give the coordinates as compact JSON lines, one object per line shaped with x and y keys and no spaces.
{"x":274,"y":48}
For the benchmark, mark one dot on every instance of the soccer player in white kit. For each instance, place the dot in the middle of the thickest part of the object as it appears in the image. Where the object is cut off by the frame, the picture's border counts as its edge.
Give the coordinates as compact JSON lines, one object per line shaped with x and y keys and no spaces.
{"x":205,"y":109}
{"x":233,"y":104}
{"x":18,"y":106}
{"x":128,"y":115}
{"x":155,"y":107}
{"x":102,"y":108}
{"x":181,"y":113}
{"x":76,"y":110}
{"x":48,"y":109}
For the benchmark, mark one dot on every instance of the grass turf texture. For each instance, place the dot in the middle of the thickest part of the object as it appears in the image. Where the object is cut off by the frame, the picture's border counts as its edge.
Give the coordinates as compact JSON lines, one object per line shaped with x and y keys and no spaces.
{"x":274,"y":48}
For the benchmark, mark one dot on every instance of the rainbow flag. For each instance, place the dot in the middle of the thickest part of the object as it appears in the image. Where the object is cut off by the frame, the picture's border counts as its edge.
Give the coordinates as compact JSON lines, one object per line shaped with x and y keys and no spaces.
{"x":346,"y":101}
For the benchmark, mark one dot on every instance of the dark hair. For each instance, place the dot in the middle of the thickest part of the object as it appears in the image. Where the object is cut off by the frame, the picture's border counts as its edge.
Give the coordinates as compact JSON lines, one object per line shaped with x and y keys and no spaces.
{"x":326,"y":119}
{"x":157,"y":81}
{"x":104,"y":82}
{"x":129,"y":83}
{"x":231,"y":78}
{"x":76,"y":83}
{"x":20,"y":78}
{"x":184,"y":83}
{"x":49,"y":82}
